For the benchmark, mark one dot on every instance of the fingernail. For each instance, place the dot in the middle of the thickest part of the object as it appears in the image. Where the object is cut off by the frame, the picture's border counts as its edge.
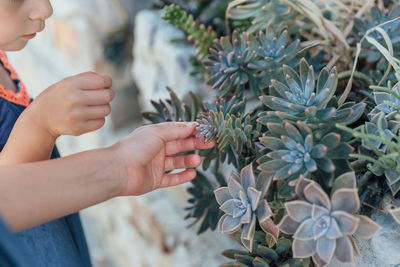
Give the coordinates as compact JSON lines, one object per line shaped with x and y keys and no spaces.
{"x":191,"y":124}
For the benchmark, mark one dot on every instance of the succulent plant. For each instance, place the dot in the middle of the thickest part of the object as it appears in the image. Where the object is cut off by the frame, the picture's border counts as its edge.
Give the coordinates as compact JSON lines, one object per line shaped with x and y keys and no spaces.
{"x":262,"y":13}
{"x":294,"y":150}
{"x":323,"y":227}
{"x":389,"y":129}
{"x":249,"y":61}
{"x":387,"y":101}
{"x":233,"y":65}
{"x":174,"y":110}
{"x":224,"y":122}
{"x":198,"y":33}
{"x":274,"y":50}
{"x":264,"y":254}
{"x":243,"y":204}
{"x":203,"y":206}
{"x":377,"y":17}
{"x":301,"y":98}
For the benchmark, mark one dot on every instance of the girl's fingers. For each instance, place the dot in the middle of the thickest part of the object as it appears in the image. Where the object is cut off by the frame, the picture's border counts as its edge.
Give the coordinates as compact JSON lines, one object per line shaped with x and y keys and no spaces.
{"x":92,"y":125}
{"x":188,"y":144}
{"x":171,"y":131}
{"x":97,"y":97}
{"x":96,"y":112}
{"x":182,"y":162}
{"x":177,"y":178}
{"x":91,"y":81}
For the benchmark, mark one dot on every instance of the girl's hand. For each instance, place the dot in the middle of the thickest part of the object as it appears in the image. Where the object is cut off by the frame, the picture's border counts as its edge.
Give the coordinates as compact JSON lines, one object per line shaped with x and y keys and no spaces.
{"x":74,"y":106}
{"x":151,"y":151}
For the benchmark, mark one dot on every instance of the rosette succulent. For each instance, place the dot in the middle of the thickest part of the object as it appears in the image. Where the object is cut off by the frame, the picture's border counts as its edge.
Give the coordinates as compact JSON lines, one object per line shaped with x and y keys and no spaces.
{"x":264,"y":254}
{"x":387,"y":102}
{"x":232,"y":65}
{"x":261,"y":12}
{"x":235,"y":132}
{"x":377,"y":17}
{"x":389,"y":129}
{"x":294,"y":150}
{"x":273,"y":48}
{"x":304,"y":98}
{"x":249,"y":61}
{"x":323,"y":227}
{"x":174,"y":109}
{"x":243,"y":204}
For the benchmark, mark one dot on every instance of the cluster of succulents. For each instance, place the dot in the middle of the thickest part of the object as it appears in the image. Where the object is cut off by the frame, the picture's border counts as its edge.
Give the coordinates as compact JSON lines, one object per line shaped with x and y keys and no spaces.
{"x":317,"y":147}
{"x":249,"y":61}
{"x":376,"y":17}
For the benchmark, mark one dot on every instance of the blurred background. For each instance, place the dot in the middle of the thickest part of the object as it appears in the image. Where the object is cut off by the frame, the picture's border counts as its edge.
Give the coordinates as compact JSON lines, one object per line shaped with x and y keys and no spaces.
{"x":128,"y":40}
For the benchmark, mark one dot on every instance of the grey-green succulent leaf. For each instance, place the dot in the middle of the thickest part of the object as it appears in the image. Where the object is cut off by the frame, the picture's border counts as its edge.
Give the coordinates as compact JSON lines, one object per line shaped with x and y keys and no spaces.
{"x":243,"y":203}
{"x":322,"y":226}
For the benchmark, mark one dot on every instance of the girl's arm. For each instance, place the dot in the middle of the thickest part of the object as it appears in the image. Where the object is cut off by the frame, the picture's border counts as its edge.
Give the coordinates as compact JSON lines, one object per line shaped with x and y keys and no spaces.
{"x":74,"y":106}
{"x":35,"y":193}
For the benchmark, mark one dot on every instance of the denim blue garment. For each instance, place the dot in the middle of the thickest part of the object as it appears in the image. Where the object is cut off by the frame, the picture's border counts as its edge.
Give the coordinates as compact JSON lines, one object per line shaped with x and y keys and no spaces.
{"x":12,"y":252}
{"x":55,"y":244}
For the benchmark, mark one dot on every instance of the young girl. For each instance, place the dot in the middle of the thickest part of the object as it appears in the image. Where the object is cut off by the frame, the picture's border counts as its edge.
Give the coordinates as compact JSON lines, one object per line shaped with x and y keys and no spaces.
{"x":40,"y":192}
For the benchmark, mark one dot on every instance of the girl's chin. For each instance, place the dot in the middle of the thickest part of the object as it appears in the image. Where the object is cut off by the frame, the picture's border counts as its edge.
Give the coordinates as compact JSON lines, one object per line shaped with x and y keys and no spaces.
{"x":15,"y":46}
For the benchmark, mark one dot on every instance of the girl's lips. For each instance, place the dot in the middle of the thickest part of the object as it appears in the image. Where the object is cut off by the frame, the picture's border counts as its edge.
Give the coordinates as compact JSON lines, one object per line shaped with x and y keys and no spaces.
{"x":29,"y":36}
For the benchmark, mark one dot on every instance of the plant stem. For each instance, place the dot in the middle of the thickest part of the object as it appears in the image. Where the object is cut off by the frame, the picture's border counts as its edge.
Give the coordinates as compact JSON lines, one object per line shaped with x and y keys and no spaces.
{"x":358,"y":165}
{"x":357,"y":74}
{"x":362,"y":183}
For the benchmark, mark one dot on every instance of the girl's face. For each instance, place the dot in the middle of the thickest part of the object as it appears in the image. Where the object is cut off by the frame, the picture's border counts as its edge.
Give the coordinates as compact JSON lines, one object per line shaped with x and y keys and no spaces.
{"x":20,"y":20}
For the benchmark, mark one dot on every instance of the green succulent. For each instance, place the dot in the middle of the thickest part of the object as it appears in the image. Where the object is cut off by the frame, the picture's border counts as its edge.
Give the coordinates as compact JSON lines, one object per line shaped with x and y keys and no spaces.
{"x":323,"y":227}
{"x":235,"y":132}
{"x":198,"y":33}
{"x":387,"y":100}
{"x":233,"y":65}
{"x":264,"y":255}
{"x":389,"y":129}
{"x":293,"y":150}
{"x":243,"y":204}
{"x":174,"y":110}
{"x":249,"y":61}
{"x":262,"y":13}
{"x":382,"y":161}
{"x":376,"y":17}
{"x":203,"y":205}
{"x":224,"y":122}
{"x":307,"y":99}
{"x":274,"y":50}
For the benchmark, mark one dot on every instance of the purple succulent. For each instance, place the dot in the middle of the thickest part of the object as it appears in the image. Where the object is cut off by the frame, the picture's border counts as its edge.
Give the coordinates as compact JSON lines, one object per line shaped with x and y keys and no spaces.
{"x":322,"y":227}
{"x":243,"y":203}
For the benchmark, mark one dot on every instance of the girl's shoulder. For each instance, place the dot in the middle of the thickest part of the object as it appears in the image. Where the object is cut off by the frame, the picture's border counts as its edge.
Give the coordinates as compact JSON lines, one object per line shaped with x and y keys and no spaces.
{"x":21,"y":96}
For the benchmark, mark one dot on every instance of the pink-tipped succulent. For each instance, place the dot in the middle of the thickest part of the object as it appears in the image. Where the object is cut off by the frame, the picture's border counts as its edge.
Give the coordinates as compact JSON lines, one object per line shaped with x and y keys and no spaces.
{"x":323,"y":227}
{"x":243,"y":203}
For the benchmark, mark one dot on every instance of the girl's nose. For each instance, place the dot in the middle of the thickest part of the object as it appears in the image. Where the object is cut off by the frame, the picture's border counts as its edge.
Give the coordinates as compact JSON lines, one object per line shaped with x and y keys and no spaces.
{"x":42,"y":10}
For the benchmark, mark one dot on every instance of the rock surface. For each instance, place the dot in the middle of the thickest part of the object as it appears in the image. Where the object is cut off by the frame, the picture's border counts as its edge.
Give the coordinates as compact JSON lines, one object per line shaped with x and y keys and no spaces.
{"x":383,"y":249}
{"x":159,"y":62}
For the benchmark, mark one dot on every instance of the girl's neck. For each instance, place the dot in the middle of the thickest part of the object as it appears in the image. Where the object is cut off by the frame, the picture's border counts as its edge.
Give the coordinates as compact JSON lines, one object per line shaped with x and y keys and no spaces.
{"x":6,"y":81}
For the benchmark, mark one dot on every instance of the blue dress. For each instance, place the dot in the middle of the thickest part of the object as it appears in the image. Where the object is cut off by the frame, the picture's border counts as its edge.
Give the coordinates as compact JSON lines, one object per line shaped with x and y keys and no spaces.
{"x":60,"y":243}
{"x":11,"y":251}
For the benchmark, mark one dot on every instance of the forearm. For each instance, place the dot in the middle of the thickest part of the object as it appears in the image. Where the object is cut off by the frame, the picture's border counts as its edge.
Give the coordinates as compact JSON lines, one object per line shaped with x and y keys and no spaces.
{"x":28,"y":141}
{"x":35,"y":193}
